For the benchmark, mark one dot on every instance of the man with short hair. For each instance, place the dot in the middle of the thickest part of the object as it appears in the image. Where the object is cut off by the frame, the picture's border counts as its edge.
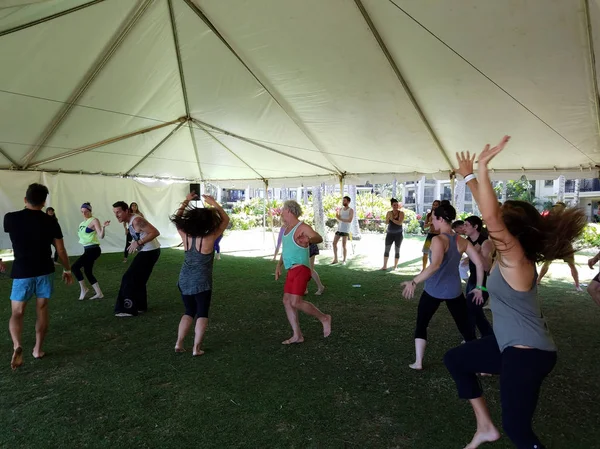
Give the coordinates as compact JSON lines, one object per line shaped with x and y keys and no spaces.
{"x":344,"y":216}
{"x":32,"y":233}
{"x":296,"y":259}
{"x":133,"y":296}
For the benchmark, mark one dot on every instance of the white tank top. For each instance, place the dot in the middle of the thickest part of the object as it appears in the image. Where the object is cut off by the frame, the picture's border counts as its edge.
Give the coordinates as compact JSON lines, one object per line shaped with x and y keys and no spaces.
{"x":137,"y":236}
{"x":345,"y":214}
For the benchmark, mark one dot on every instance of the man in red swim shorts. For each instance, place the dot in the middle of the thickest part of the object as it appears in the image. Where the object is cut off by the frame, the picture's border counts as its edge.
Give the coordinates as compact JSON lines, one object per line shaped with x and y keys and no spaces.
{"x":295,"y":257}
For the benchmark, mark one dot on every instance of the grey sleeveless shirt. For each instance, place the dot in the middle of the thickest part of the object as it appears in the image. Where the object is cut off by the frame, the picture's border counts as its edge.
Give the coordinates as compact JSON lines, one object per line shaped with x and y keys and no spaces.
{"x":518,"y":319}
{"x":445,"y":282}
{"x":196,"y":272}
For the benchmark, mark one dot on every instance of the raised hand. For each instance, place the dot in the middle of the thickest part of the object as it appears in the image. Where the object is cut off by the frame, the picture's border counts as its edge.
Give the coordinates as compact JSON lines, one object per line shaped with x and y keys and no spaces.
{"x":191,"y":196}
{"x":209,"y":200}
{"x":465,"y":163}
{"x":106,"y":223}
{"x":490,"y":153}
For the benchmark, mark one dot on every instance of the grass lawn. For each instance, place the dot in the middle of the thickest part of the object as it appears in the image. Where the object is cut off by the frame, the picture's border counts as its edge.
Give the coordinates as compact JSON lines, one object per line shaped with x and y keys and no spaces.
{"x":116,"y":383}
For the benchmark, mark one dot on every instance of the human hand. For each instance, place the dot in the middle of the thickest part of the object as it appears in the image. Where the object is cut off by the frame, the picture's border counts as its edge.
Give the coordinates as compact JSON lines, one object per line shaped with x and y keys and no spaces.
{"x":409,"y":289}
{"x":477,"y":296}
{"x":67,"y":278}
{"x":303,"y":240}
{"x":133,"y":246}
{"x":2,"y":267}
{"x":106,"y":223}
{"x":488,"y":153}
{"x":591,"y":262}
{"x":277,"y":272}
{"x":191,"y":196}
{"x":465,"y":163}
{"x":210,"y":200}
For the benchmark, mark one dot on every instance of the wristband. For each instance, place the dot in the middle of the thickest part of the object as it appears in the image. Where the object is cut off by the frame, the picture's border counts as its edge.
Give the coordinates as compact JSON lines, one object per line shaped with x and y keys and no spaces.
{"x":413,"y":282}
{"x":470,"y":177}
{"x":483,"y":289}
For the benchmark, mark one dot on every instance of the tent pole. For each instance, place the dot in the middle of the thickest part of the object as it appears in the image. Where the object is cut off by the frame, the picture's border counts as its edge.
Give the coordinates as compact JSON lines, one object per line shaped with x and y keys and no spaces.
{"x":137,"y":164}
{"x":592,"y":54}
{"x":453,"y":187}
{"x":102,"y":143}
{"x":90,"y":76}
{"x":400,"y":77}
{"x":8,"y":158}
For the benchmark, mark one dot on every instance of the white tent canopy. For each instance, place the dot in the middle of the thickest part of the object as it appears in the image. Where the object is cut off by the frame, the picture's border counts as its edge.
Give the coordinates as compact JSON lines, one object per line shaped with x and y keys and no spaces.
{"x":242,"y":91}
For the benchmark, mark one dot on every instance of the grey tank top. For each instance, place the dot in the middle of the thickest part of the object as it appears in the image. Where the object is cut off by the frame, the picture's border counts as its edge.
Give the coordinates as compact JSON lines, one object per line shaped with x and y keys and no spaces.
{"x":518,"y":319}
{"x":445,"y":282}
{"x":196,"y":272}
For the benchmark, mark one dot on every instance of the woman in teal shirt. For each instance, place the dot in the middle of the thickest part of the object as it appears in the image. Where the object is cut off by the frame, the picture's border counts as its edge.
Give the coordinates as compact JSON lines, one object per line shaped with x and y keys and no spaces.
{"x":89,"y":230}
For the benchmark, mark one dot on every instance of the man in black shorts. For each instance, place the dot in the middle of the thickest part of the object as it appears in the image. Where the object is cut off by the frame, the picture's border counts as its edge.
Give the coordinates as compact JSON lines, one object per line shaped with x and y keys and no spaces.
{"x":32,"y":233}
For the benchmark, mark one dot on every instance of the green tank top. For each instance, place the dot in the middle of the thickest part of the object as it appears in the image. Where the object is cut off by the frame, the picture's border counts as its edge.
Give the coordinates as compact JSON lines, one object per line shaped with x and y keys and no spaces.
{"x":292,"y":253}
{"x":87,"y":238}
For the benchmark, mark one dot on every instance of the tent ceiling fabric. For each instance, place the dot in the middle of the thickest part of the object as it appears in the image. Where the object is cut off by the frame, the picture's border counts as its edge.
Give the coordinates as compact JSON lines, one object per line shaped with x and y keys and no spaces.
{"x":298,"y":92}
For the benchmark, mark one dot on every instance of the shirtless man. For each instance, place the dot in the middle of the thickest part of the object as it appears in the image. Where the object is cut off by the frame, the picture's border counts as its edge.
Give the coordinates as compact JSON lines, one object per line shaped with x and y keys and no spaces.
{"x":344,"y":217}
{"x":295,"y":257}
{"x":133,"y":296}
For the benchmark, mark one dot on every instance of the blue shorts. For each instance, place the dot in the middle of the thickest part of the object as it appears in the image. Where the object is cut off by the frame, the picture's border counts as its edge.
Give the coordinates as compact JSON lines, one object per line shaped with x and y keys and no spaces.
{"x":40,"y":286}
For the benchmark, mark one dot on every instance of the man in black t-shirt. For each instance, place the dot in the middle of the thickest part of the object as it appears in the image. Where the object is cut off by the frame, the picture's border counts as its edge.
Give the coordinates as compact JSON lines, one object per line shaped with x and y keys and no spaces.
{"x":32,"y":233}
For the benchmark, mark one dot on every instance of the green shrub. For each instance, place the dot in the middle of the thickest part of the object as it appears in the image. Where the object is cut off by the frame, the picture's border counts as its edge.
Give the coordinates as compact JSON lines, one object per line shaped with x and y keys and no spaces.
{"x":590,"y":237}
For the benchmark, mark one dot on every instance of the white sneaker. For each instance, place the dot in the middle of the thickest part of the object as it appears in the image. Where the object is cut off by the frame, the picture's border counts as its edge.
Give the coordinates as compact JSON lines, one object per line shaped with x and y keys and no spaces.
{"x":122,"y":314}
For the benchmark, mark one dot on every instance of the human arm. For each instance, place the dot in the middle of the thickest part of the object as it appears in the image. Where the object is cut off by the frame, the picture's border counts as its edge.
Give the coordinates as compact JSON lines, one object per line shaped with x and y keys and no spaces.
{"x":142,"y":225}
{"x":594,"y":260}
{"x":279,"y":268}
{"x":67,"y":277}
{"x":349,"y":219}
{"x":400,"y":220}
{"x":487,"y":249}
{"x":476,"y":258}
{"x":224,"y":217}
{"x":100,"y":228}
{"x":437,"y":256}
{"x":279,"y":240}
{"x":2,"y":266}
{"x":189,"y":197}
{"x":307,"y":236}
{"x":388,"y":217}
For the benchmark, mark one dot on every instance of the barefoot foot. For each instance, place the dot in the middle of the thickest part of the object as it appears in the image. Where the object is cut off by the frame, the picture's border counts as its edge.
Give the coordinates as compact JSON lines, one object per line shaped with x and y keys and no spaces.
{"x":483,"y":437}
{"x":198,"y":353}
{"x":327,"y":326}
{"x":383,"y":269}
{"x":291,"y":341}
{"x":416,"y":366}
{"x":334,"y":262}
{"x":320,"y":291}
{"x":38,"y":354}
{"x":179,"y":349}
{"x":17,"y":358}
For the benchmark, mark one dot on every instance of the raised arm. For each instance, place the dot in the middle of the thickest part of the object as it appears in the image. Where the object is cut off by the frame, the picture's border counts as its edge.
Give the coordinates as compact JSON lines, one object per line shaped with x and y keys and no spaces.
{"x":189,"y":197}
{"x":100,"y":228}
{"x":308,"y":236}
{"x":224,"y":217}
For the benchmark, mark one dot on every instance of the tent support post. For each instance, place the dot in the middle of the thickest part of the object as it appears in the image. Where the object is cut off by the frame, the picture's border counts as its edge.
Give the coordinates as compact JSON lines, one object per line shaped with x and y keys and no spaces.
{"x":9,"y":159}
{"x":592,"y":54}
{"x":90,"y":76}
{"x":400,"y":77}
{"x":453,"y":187}
{"x":137,"y":164}
{"x":102,"y":143}
{"x":204,"y":125}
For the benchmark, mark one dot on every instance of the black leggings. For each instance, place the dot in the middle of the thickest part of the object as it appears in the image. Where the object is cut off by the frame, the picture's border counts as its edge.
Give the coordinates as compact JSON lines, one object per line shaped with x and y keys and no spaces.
{"x":133,"y":295}
{"x":197,"y":305}
{"x":396,"y":238}
{"x":477,"y":318}
{"x":428,"y":305}
{"x":522,"y":372}
{"x":86,"y":260}
{"x":128,"y":240}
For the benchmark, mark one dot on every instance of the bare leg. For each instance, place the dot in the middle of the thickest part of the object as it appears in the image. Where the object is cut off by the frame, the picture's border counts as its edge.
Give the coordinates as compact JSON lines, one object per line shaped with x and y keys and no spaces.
{"x":425,"y":257}
{"x":41,"y":327}
{"x":420,"y":345}
{"x":201,"y":325}
{"x":385,"y":261}
{"x":543,"y":271}
{"x":594,"y":291}
{"x":486,"y":431}
{"x":292,"y":316}
{"x":336,"y":239}
{"x":309,"y":308}
{"x":396,"y":263}
{"x":575,"y":275}
{"x":315,"y":276}
{"x":15,"y":325}
{"x":83,"y":290}
{"x":184,"y":328}
{"x":344,"y":251}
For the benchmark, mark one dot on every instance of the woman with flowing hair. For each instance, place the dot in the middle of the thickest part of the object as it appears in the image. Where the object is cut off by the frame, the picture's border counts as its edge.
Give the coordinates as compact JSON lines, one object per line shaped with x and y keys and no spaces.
{"x":521,"y":350}
{"x":199,"y":228}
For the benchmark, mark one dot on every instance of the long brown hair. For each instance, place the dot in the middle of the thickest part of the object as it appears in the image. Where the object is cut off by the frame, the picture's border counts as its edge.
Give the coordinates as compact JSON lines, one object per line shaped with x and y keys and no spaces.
{"x":543,"y":238}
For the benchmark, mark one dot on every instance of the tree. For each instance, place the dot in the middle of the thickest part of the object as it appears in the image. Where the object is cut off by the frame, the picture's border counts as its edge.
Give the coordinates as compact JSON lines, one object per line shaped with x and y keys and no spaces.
{"x":521,"y":190}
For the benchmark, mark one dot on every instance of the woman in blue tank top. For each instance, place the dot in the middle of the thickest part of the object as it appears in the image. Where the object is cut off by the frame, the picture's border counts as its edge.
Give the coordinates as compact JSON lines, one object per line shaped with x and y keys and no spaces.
{"x":442,"y":280}
{"x":198,"y":228}
{"x":521,"y":350}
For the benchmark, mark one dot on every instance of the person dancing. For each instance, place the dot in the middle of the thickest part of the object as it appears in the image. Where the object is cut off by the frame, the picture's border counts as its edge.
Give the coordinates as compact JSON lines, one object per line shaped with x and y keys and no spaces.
{"x":89,"y":231}
{"x":295,"y":258}
{"x":133,"y":295}
{"x":394,"y":219}
{"x":521,"y":350}
{"x":344,"y":217}
{"x":442,"y":280}
{"x":478,"y":237}
{"x":431,"y":232}
{"x":133,"y":208}
{"x":313,"y":252}
{"x":199,"y":228}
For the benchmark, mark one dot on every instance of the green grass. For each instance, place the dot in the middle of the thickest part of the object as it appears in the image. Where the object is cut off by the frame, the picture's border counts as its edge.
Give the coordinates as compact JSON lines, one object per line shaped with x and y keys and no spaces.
{"x":115,"y":382}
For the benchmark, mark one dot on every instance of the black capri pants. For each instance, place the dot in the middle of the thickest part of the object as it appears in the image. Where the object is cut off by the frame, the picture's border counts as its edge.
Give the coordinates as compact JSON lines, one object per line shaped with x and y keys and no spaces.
{"x":395,"y":238}
{"x":87,"y":260}
{"x":428,"y":305}
{"x":521,"y":371}
{"x":197,"y":305}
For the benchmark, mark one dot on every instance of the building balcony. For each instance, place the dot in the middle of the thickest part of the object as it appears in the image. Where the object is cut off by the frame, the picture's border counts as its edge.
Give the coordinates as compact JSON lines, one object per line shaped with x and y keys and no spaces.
{"x":585,"y":185}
